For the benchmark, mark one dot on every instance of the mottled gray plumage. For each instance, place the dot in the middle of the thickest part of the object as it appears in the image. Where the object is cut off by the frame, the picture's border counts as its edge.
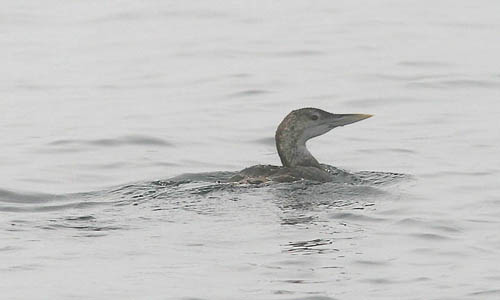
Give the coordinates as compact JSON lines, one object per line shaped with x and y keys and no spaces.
{"x":291,"y":136}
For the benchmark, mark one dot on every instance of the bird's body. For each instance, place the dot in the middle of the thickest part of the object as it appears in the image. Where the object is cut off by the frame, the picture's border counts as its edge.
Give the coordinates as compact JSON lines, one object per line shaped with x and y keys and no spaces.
{"x":291,"y":136}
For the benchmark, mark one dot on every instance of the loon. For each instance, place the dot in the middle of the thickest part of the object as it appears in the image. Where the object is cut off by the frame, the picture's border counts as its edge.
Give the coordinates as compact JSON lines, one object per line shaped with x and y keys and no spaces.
{"x":293,"y":132}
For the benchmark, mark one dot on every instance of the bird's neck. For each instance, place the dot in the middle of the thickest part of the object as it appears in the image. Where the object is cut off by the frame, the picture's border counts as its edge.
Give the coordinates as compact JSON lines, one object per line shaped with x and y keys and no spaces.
{"x":293,"y":151}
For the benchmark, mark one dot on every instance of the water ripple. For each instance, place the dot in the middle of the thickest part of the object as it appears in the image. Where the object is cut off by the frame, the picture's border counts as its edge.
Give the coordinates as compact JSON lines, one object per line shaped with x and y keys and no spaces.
{"x":268,"y":141}
{"x":313,"y":298}
{"x":19,"y":197}
{"x":136,"y":140}
{"x":430,"y":236}
{"x":456,"y":83}
{"x":9,"y":248}
{"x":425,"y":64}
{"x":372,"y":262}
{"x":137,"y":15}
{"x":444,"y":226}
{"x":355,"y":217}
{"x":249,"y":93}
{"x":316,"y":246}
{"x":486,"y":292}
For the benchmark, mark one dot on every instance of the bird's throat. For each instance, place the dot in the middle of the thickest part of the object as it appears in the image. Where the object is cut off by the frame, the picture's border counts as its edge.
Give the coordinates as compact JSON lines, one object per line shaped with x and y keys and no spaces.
{"x":293,"y":152}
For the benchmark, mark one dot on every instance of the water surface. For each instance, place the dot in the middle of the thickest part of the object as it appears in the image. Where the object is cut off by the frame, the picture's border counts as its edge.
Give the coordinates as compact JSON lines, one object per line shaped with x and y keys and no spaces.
{"x":104,"y":103}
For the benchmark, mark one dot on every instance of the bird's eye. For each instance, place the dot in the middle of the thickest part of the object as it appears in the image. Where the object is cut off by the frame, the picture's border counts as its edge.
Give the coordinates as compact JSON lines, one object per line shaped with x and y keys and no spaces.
{"x":314,"y":117}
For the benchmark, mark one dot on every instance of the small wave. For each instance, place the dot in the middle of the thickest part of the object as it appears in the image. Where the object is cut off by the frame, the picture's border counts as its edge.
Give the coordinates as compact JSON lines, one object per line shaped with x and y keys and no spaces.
{"x":82,"y":227}
{"x":355,"y":217}
{"x":316,"y":246}
{"x":456,"y":83}
{"x":407,"y":78}
{"x":136,"y":140}
{"x":9,"y":248}
{"x":300,"y":53}
{"x":373,"y":263}
{"x":380,"y":281}
{"x":249,"y":93}
{"x":313,"y":298}
{"x":430,"y":236}
{"x":371,"y":102}
{"x":486,"y":292}
{"x":212,"y":177}
{"x":127,"y":16}
{"x":26,"y":198}
{"x":95,"y":213}
{"x":459,"y":173}
{"x":443,"y":226}
{"x":425,"y":64}
{"x":358,"y":184}
{"x":382,"y":150}
{"x":268,"y":141}
{"x":39,"y":202}
{"x":294,"y":220}
{"x":382,"y":178}
{"x":240,"y":75}
{"x":48,"y":208}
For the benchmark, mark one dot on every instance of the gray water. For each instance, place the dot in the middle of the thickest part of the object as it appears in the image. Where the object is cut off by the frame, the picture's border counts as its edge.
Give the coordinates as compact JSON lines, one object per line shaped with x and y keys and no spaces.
{"x":104,"y":104}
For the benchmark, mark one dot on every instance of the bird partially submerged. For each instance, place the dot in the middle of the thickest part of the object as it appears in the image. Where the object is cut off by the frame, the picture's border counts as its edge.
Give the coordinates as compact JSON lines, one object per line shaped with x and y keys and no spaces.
{"x":291,"y":136}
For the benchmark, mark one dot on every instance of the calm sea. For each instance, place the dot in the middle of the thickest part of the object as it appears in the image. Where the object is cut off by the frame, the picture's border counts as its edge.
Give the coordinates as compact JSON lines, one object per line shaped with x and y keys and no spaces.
{"x":103,"y":102}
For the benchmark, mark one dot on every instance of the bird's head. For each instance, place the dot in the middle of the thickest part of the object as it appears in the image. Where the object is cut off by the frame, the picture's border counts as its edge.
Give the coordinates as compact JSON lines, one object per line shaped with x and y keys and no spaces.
{"x":306,"y":123}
